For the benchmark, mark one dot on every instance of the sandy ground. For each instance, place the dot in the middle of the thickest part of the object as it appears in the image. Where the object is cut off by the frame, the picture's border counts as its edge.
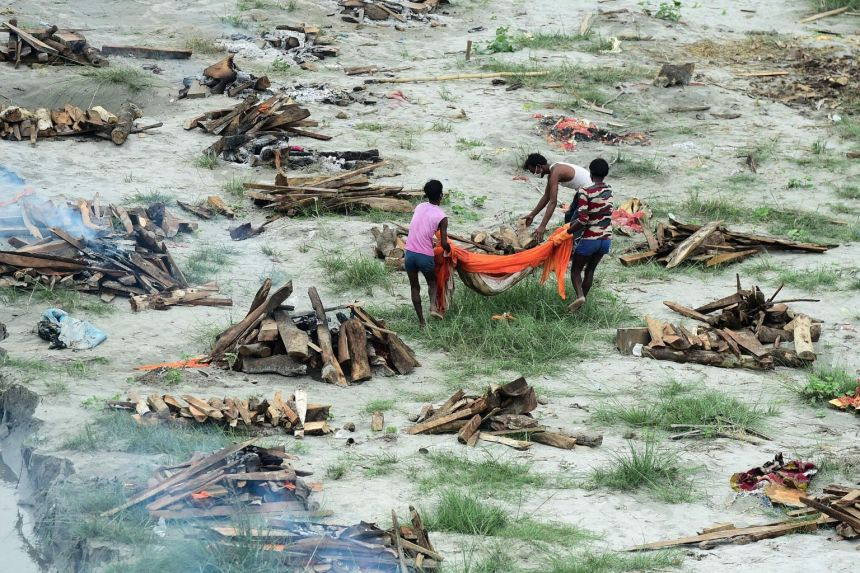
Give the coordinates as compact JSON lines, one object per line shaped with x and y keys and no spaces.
{"x":704,"y":156}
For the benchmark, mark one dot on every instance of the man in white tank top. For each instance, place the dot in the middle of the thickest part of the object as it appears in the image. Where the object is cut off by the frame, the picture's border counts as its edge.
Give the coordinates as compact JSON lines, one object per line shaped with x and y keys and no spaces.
{"x":564,"y":174}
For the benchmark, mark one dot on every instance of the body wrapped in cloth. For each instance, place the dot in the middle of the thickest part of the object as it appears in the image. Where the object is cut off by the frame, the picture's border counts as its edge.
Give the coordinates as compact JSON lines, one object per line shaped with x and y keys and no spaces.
{"x":492,"y":274}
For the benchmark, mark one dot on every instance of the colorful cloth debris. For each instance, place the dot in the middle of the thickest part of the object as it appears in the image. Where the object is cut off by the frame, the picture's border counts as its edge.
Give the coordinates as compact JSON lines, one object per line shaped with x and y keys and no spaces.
{"x":793,"y":474}
{"x":848,"y":401}
{"x":627,"y":218}
{"x":566,"y":131}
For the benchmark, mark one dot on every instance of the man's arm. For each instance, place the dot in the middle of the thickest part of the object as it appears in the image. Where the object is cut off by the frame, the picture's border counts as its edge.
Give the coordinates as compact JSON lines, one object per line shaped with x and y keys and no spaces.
{"x":540,"y":204}
{"x":443,"y":232}
{"x":550,"y":200}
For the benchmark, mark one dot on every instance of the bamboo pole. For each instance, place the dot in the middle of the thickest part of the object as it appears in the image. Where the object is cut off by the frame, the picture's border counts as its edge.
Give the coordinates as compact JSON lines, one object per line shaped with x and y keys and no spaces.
{"x":454,"y":77}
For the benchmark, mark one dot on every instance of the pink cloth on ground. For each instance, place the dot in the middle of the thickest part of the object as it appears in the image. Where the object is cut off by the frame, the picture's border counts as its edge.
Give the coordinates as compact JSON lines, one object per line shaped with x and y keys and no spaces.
{"x":425,"y":222}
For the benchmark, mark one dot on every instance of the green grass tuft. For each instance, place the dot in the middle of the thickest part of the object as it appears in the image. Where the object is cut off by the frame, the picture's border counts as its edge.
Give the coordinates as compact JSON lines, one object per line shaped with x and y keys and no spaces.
{"x":827,"y":382}
{"x":204,"y":262}
{"x":235,"y":187}
{"x":148,"y":198}
{"x":810,"y":279}
{"x":206,"y":161}
{"x":464,"y":513}
{"x":848,"y":192}
{"x":614,"y":562}
{"x":489,"y":476}
{"x":569,"y":76}
{"x":71,"y":301}
{"x":355,"y":273}
{"x":203,"y":45}
{"x":378,"y":406}
{"x":629,"y":166}
{"x":134,"y":79}
{"x":550,"y":40}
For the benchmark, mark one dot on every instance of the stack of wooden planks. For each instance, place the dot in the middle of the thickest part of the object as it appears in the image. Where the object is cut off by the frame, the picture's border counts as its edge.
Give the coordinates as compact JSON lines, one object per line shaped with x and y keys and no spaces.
{"x":343,"y":192}
{"x":404,"y":548}
{"x":501,"y":411}
{"x":838,"y":506}
{"x":221,"y":77}
{"x":355,"y":11}
{"x":748,"y":332}
{"x":77,"y":247}
{"x":253,"y":131}
{"x":49,"y":46}
{"x":18,"y":123}
{"x":273,"y":339}
{"x":293,"y":414}
{"x":241,"y":478}
{"x":711,"y":244}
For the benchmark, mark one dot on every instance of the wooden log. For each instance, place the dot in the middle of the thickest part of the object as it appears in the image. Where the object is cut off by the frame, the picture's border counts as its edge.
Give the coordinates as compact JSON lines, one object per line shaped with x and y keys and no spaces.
{"x":255,"y":350}
{"x":803,"y":337}
{"x":430,"y":425}
{"x":147,"y":53}
{"x":128,"y":112}
{"x":268,"y":330}
{"x":353,"y":334}
{"x":343,"y":357}
{"x":511,"y":443}
{"x":555,"y":439}
{"x":294,"y":339}
{"x":402,"y":357}
{"x":837,"y":513}
{"x":331,"y":371}
{"x":637,"y":258}
{"x":688,"y":312}
{"x":748,"y":341}
{"x":469,"y":429}
{"x":655,"y":330}
{"x":691,"y":244}
{"x":706,"y":357}
{"x":277,"y":364}
{"x":377,"y":421}
{"x":724,"y":258}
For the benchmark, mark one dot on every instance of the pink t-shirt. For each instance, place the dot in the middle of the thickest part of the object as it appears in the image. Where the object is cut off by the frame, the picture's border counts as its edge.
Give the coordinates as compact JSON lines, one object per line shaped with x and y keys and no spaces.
{"x":425,"y":222}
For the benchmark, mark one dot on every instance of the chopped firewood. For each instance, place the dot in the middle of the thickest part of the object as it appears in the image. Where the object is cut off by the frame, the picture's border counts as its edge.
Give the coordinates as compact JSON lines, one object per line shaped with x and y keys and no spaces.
{"x":224,"y":76}
{"x":377,"y":421}
{"x":17,"y":123}
{"x":201,"y":296}
{"x":746,"y":333}
{"x":49,"y":46}
{"x":361,"y":11}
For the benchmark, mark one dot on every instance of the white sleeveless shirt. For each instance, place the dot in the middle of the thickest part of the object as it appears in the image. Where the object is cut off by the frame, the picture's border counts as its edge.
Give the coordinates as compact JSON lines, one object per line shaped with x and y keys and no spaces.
{"x":581,"y":176}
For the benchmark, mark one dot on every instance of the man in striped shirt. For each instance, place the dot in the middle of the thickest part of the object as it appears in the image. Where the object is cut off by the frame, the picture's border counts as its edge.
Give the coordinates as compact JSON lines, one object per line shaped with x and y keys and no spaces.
{"x":593,"y":220}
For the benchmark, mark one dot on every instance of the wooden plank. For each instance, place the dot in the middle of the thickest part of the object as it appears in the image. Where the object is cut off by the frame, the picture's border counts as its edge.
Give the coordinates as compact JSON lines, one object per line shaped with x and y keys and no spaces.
{"x":688,"y":312}
{"x":148,"y":53}
{"x":32,"y":40}
{"x":554,"y":439}
{"x":835,"y":513}
{"x":762,"y":74}
{"x":331,"y":371}
{"x":293,"y":507}
{"x":734,"y":257}
{"x":268,"y":330}
{"x":294,"y":339}
{"x":747,"y":340}
{"x":515,"y":444}
{"x":720,"y":303}
{"x":278,"y":475}
{"x":470,"y":428}
{"x":436,"y":422}
{"x":803,"y":338}
{"x":655,"y":329}
{"x":637,"y":258}
{"x":691,"y":244}
{"x":820,"y":15}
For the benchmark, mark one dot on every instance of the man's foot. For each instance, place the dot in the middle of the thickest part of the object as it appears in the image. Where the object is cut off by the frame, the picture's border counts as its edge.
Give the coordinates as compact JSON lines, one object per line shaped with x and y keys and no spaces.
{"x":575,"y":305}
{"x":422,"y":324}
{"x":436,"y":314}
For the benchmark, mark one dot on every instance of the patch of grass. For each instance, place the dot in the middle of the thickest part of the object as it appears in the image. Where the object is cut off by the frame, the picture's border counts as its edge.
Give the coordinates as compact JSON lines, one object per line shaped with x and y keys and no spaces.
{"x":119,"y":432}
{"x":678,"y":403}
{"x":848,"y":192}
{"x":825,"y":5}
{"x":71,"y":301}
{"x":567,"y":75}
{"x":465,"y":144}
{"x":614,"y":562}
{"x":54,"y":388}
{"x":809,"y":279}
{"x":488,"y":476}
{"x":459,"y":512}
{"x":381,"y":465}
{"x":134,"y":79}
{"x":204,"y":262}
{"x":203,"y":45}
{"x":624,"y":165}
{"x":542,"y":339}
{"x":337,"y":470}
{"x":827,"y":382}
{"x":147,"y":198}
{"x":40,"y":369}
{"x":546,"y":534}
{"x":670,"y":11}
{"x":442,"y":126}
{"x":763,"y":151}
{"x":556,"y":40}
{"x":445,"y":94}
{"x":502,"y":42}
{"x":270,"y":251}
{"x":355,"y":273}
{"x":235,"y":187}
{"x":245,"y":5}
{"x":206,"y":161}
{"x":598,"y":44}
{"x":370,"y":126}
{"x":645,"y":466}
{"x":407,"y":138}
{"x":378,"y":406}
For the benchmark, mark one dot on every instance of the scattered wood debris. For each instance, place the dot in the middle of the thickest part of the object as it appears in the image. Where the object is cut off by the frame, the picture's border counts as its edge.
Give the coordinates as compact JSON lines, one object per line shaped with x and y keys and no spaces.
{"x":291,"y":414}
{"x":49,"y":46}
{"x":253,"y":131}
{"x":343,"y":192}
{"x":274,"y":339}
{"x":221,"y":77}
{"x":356,"y":11}
{"x":814,"y":79}
{"x":76,"y":246}
{"x":712,"y":244}
{"x":501,"y":412}
{"x":302,"y":43}
{"x":565,"y":132}
{"x":838,"y":506}
{"x":17,"y":123}
{"x":325,"y":93}
{"x":242,"y":477}
{"x":748,"y":332}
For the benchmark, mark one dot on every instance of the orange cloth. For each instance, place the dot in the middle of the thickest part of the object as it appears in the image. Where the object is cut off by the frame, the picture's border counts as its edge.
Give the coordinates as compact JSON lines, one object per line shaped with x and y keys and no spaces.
{"x":553,"y":255}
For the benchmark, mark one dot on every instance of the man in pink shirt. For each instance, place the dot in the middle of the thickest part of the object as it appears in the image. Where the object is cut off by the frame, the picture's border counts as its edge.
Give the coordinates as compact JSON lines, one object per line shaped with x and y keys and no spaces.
{"x":427,"y":219}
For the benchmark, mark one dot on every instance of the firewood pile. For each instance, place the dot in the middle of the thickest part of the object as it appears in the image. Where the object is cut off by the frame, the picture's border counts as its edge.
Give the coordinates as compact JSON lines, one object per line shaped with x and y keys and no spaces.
{"x":293,"y":414}
{"x":50,"y":46}
{"x":356,"y":11}
{"x":221,"y":77}
{"x":500,"y":412}
{"x":838,"y":506}
{"x":748,"y":332}
{"x":273,"y":339}
{"x":258,"y":480}
{"x":18,"y":123}
{"x":254,"y":131}
{"x":77,"y":247}
{"x":712,"y":244}
{"x":301,"y":43}
{"x":343,"y":192}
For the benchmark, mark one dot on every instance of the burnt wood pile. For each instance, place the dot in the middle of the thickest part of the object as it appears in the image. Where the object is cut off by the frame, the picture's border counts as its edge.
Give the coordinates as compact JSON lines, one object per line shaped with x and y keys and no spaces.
{"x":742,"y":330}
{"x":18,"y":123}
{"x":343,"y":192}
{"x":501,"y":412}
{"x":78,"y":247}
{"x":302,"y":43}
{"x":275,"y":339}
{"x":48,"y":46}
{"x":358,"y":11}
{"x":711,"y":244}
{"x":223,"y":77}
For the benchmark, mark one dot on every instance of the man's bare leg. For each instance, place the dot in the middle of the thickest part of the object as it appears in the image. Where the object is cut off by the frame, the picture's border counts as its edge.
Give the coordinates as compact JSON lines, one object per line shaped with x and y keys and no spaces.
{"x":589,"y":273}
{"x":415,"y":291}
{"x":579,"y":263}
{"x":432,"y":291}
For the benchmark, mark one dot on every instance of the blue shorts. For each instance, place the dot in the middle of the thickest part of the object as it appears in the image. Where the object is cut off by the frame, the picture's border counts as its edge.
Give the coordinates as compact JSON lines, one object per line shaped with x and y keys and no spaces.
{"x":587,"y":248}
{"x":419,"y":262}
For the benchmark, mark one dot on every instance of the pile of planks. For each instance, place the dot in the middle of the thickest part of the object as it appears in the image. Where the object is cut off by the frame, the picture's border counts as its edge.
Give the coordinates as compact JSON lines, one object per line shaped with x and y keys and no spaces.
{"x":50,"y":46}
{"x":838,"y":506}
{"x":748,"y":332}
{"x":302,"y":43}
{"x":76,"y":246}
{"x":404,"y":548}
{"x":254,"y":131}
{"x":239,"y":478}
{"x":355,"y":11}
{"x":712,"y":244}
{"x":293,"y":414}
{"x":221,"y":77}
{"x":344,"y":192}
{"x":17,"y":123}
{"x":501,"y":411}
{"x":273,"y":339}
